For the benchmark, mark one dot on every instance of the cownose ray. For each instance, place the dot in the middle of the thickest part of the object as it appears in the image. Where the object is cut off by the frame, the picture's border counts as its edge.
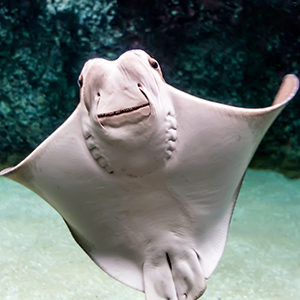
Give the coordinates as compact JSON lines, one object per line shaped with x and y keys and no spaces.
{"x":146,"y":176}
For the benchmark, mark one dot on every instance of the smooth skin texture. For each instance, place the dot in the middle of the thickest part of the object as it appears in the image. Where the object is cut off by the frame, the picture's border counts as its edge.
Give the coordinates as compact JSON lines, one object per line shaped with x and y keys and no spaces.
{"x":146,"y":176}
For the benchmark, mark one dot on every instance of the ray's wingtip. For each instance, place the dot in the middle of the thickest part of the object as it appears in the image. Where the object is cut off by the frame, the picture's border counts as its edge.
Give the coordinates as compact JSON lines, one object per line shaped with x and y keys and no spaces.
{"x":287,"y":91}
{"x":295,"y":79}
{"x":292,"y":76}
{"x":6,"y":171}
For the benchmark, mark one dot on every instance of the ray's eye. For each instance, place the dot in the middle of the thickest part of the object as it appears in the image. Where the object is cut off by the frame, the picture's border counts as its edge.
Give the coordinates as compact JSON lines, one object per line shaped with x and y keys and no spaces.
{"x":154,"y":65}
{"x":80,"y":81}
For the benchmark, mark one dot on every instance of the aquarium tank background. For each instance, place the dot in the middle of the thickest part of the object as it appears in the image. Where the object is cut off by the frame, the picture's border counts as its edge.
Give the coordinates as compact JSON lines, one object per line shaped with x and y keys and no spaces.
{"x":234,"y":52}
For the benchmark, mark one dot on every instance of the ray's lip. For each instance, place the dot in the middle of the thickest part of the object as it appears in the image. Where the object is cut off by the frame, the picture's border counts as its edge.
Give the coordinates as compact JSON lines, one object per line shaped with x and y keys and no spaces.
{"x":129,"y":109}
{"x":122,"y":111}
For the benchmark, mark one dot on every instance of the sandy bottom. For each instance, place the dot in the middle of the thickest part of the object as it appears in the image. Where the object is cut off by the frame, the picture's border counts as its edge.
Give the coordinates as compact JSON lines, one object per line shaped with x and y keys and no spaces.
{"x":40,"y":260}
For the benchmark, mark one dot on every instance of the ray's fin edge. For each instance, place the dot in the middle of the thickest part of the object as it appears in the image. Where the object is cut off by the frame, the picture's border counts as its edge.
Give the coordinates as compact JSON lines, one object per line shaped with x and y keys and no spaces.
{"x":287,"y":91}
{"x":6,"y":171}
{"x":13,"y":173}
{"x":17,"y":172}
{"x":87,"y":248}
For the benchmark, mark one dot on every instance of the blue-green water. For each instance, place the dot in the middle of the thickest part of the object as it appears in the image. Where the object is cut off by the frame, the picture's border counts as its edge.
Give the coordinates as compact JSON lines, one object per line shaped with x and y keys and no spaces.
{"x":40,"y":260}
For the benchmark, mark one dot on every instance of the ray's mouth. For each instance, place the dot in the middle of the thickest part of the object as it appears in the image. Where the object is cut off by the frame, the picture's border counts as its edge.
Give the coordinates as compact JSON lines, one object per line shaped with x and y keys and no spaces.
{"x":128,"y":115}
{"x":129,"y":109}
{"x":122,"y":111}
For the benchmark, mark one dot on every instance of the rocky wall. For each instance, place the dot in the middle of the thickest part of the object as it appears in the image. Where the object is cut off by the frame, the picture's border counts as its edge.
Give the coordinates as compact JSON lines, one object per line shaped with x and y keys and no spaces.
{"x":234,"y":52}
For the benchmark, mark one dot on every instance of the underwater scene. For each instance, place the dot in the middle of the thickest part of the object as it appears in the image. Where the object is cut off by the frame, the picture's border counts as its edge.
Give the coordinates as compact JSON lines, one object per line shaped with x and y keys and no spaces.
{"x":41,"y":260}
{"x":149,"y":146}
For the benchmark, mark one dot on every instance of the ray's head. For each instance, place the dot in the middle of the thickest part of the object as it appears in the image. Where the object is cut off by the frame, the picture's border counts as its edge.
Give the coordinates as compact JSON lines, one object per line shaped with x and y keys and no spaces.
{"x":121,"y":93}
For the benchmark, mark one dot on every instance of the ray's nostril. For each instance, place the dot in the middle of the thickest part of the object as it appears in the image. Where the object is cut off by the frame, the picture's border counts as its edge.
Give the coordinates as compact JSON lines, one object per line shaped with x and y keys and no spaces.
{"x":142,"y":90}
{"x":169,"y":260}
{"x":98,"y":94}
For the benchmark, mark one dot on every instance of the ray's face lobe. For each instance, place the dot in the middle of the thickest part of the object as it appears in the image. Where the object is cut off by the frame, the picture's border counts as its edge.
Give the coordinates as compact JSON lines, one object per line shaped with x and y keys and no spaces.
{"x":121,"y":92}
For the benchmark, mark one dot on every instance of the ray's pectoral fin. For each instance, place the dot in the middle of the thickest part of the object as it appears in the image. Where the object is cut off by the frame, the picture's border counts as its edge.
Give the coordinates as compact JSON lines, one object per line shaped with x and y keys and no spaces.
{"x":174,"y":274}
